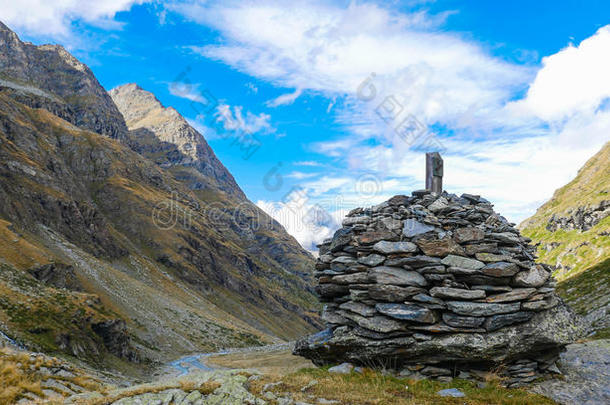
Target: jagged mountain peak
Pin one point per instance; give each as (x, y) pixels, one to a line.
(136, 104)
(147, 118)
(30, 73)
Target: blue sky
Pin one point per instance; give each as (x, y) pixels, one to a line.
(514, 93)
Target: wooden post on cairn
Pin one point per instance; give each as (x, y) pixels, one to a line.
(434, 172)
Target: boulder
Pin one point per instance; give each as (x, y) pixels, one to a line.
(397, 276)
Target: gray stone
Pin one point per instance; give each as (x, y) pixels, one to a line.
(358, 308)
(492, 288)
(438, 205)
(541, 305)
(358, 295)
(491, 257)
(518, 294)
(462, 321)
(456, 293)
(439, 247)
(415, 261)
(432, 270)
(354, 278)
(376, 323)
(500, 269)
(391, 224)
(363, 219)
(331, 316)
(331, 290)
(463, 262)
(468, 234)
(394, 247)
(413, 227)
(397, 276)
(451, 392)
(371, 237)
(480, 308)
(426, 299)
(343, 368)
(506, 237)
(372, 260)
(392, 293)
(498, 321)
(443, 328)
(487, 247)
(405, 312)
(341, 263)
(536, 276)
(432, 371)
(341, 238)
(463, 272)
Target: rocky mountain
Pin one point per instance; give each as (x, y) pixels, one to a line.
(174, 144)
(572, 230)
(128, 244)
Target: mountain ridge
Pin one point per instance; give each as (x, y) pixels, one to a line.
(80, 194)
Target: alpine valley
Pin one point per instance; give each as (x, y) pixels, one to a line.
(123, 239)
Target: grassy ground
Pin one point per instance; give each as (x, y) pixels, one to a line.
(373, 388)
(275, 362)
(369, 388)
(20, 376)
(588, 291)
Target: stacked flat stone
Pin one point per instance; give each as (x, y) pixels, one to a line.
(407, 273)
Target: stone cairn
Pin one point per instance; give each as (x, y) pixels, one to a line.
(440, 286)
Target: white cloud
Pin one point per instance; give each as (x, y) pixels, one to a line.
(514, 153)
(329, 49)
(300, 175)
(310, 224)
(311, 163)
(187, 91)
(54, 18)
(284, 99)
(234, 119)
(573, 80)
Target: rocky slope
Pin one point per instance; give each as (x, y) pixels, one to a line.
(573, 234)
(174, 142)
(110, 248)
(573, 226)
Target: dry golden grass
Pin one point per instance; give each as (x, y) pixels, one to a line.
(373, 388)
(109, 397)
(19, 375)
(275, 362)
(15, 377)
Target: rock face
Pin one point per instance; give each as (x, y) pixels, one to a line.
(143, 225)
(458, 289)
(178, 143)
(572, 228)
(49, 77)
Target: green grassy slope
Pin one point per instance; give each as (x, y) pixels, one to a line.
(574, 250)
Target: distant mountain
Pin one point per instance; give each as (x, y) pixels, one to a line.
(573, 232)
(129, 238)
(175, 143)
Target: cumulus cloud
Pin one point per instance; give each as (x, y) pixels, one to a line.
(234, 119)
(329, 49)
(310, 224)
(573, 80)
(54, 18)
